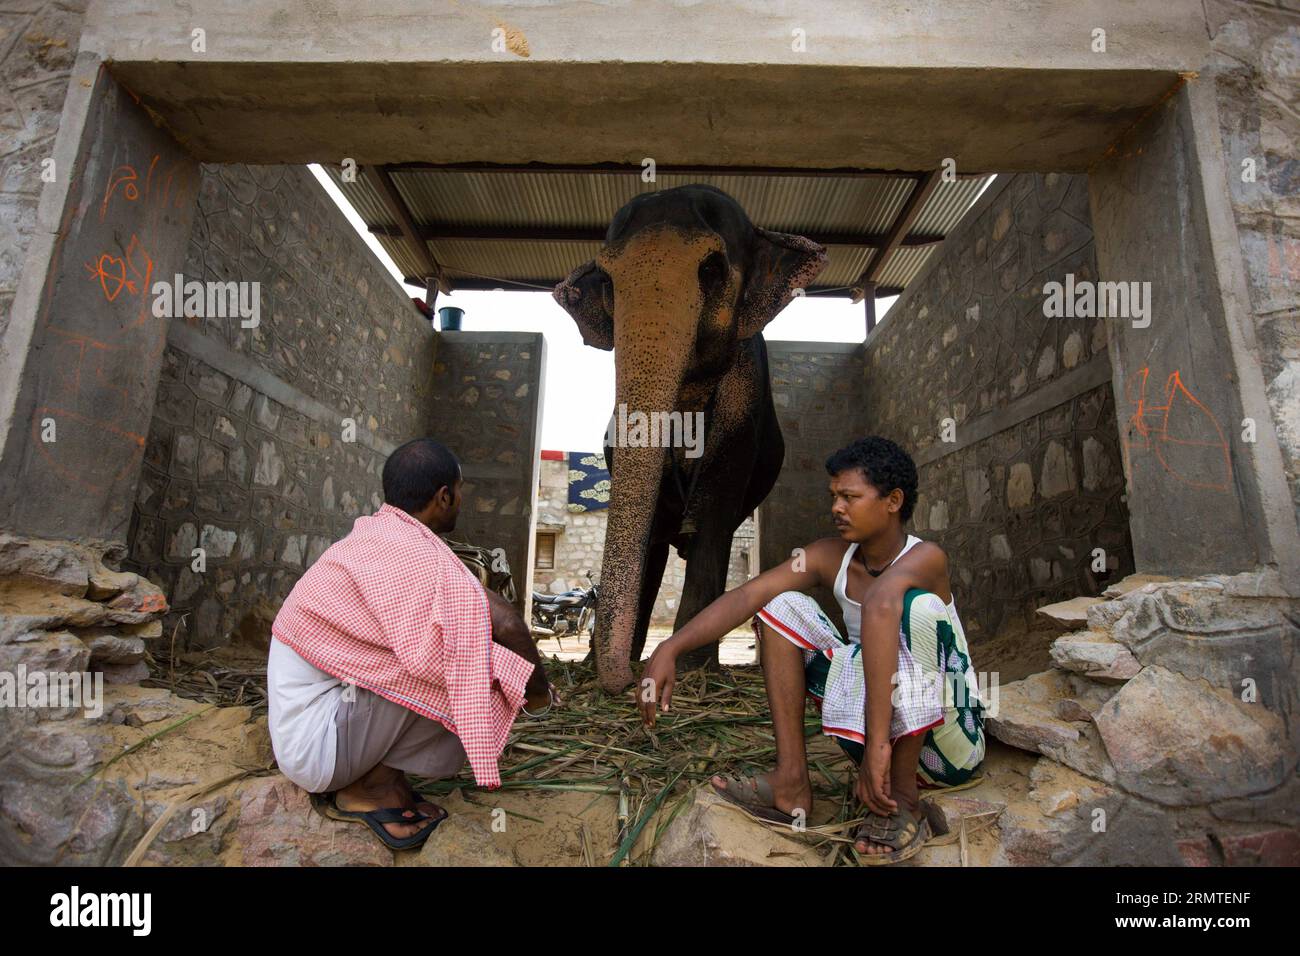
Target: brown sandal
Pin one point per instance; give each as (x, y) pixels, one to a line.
(905, 832)
(754, 796)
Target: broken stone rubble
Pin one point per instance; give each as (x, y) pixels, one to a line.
(1177, 704)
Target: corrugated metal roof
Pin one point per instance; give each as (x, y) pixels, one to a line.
(838, 206)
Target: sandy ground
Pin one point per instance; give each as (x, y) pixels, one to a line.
(544, 827)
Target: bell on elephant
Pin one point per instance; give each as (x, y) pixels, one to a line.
(681, 291)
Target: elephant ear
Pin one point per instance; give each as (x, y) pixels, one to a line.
(779, 263)
(583, 296)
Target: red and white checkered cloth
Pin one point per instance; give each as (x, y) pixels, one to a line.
(392, 609)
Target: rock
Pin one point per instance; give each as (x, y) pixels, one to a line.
(1197, 852)
(1068, 615)
(58, 566)
(1071, 710)
(1086, 755)
(1028, 837)
(145, 630)
(1182, 742)
(1089, 824)
(1132, 583)
(946, 811)
(461, 840)
(1058, 801)
(50, 652)
(713, 832)
(142, 600)
(1094, 655)
(1265, 583)
(1025, 716)
(106, 584)
(1280, 806)
(278, 827)
(109, 648)
(131, 673)
(195, 833)
(44, 822)
(1028, 716)
(1213, 629)
(26, 607)
(1020, 486)
(44, 677)
(140, 706)
(1271, 848)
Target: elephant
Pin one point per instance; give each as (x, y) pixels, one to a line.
(681, 290)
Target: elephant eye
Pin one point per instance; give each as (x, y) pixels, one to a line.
(712, 270)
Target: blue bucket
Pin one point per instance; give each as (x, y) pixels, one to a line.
(449, 318)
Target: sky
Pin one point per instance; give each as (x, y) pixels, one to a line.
(578, 394)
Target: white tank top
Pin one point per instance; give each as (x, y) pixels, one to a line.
(851, 608)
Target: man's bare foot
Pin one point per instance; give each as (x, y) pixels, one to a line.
(789, 794)
(384, 788)
(424, 806)
(906, 801)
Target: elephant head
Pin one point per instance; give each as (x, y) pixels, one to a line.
(682, 280)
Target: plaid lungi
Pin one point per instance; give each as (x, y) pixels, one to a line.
(935, 690)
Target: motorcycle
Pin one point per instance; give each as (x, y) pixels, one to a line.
(568, 614)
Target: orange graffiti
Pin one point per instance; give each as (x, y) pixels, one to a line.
(102, 432)
(1178, 433)
(93, 379)
(111, 271)
(126, 177)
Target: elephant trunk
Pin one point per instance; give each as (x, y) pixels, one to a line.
(627, 540)
(648, 380)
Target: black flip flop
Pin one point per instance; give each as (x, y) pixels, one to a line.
(375, 819)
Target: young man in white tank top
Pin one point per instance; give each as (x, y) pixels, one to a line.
(881, 690)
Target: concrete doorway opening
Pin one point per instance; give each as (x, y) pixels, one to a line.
(1060, 451)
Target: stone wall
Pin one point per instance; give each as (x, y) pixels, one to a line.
(38, 45)
(267, 442)
(1256, 50)
(1024, 479)
(818, 393)
(487, 400)
(580, 544)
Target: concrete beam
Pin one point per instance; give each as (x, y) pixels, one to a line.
(1003, 87)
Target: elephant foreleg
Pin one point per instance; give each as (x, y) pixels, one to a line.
(706, 580)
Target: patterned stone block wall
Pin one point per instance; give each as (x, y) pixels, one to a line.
(580, 544)
(250, 454)
(38, 44)
(1027, 479)
(486, 403)
(818, 391)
